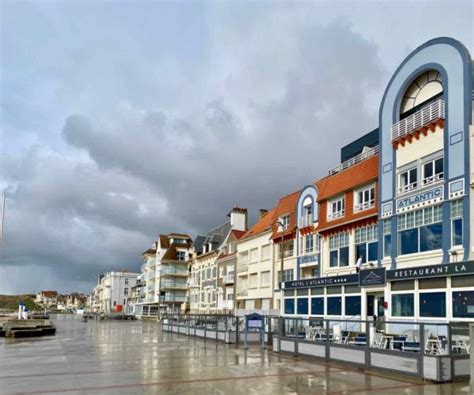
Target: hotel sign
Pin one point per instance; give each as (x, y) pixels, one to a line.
(430, 196)
(371, 277)
(307, 259)
(322, 281)
(441, 270)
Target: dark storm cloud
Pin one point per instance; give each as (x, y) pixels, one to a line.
(120, 131)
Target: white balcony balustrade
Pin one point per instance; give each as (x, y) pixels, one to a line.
(364, 206)
(355, 160)
(336, 214)
(229, 279)
(431, 112)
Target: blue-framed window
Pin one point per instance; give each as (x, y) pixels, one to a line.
(387, 237)
(302, 306)
(317, 306)
(456, 222)
(289, 306)
(339, 250)
(334, 305)
(432, 304)
(366, 243)
(420, 230)
(403, 305)
(352, 305)
(463, 304)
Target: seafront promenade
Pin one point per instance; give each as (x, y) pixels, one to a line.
(134, 357)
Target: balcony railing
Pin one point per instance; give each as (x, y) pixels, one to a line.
(228, 279)
(305, 221)
(420, 118)
(173, 271)
(354, 160)
(173, 285)
(433, 179)
(407, 188)
(336, 214)
(364, 206)
(173, 298)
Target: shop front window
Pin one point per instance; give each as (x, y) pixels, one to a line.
(352, 305)
(403, 305)
(433, 304)
(334, 305)
(289, 306)
(317, 306)
(463, 304)
(302, 307)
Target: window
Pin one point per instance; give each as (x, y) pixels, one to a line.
(456, 222)
(402, 305)
(334, 305)
(214, 272)
(287, 249)
(125, 291)
(317, 306)
(387, 237)
(463, 304)
(339, 250)
(253, 255)
(181, 255)
(432, 171)
(253, 280)
(208, 273)
(336, 208)
(265, 278)
(302, 306)
(308, 244)
(289, 306)
(352, 305)
(364, 198)
(420, 230)
(287, 275)
(266, 252)
(307, 218)
(433, 304)
(366, 243)
(126, 281)
(408, 180)
(285, 222)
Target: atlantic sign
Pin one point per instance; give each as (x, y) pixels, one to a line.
(441, 270)
(435, 193)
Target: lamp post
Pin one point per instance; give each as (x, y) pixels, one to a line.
(279, 223)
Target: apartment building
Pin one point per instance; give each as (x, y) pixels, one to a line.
(255, 269)
(210, 289)
(397, 207)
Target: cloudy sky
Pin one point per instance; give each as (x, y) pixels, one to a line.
(123, 120)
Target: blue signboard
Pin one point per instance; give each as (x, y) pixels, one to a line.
(371, 277)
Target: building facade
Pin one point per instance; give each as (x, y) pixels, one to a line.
(398, 207)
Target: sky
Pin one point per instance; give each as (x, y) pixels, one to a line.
(124, 120)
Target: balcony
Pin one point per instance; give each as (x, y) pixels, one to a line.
(364, 206)
(305, 221)
(173, 285)
(172, 271)
(173, 298)
(192, 283)
(228, 278)
(354, 160)
(423, 117)
(336, 215)
(227, 304)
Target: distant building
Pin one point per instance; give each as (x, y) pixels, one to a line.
(47, 299)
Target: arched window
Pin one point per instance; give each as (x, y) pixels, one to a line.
(426, 87)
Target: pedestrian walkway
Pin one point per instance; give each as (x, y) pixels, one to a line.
(134, 357)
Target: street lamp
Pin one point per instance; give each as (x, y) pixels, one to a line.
(280, 223)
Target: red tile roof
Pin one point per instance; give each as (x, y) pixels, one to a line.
(262, 225)
(286, 205)
(238, 233)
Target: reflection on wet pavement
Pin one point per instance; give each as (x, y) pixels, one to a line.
(134, 357)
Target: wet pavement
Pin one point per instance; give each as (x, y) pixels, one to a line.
(134, 357)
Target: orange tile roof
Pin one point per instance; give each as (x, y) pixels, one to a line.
(262, 225)
(286, 205)
(239, 233)
(350, 178)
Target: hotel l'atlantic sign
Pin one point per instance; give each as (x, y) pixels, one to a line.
(422, 198)
(378, 276)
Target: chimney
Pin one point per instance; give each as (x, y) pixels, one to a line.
(261, 213)
(238, 218)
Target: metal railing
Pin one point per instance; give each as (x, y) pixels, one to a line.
(174, 284)
(173, 271)
(364, 206)
(172, 298)
(229, 279)
(305, 221)
(420, 118)
(336, 214)
(354, 160)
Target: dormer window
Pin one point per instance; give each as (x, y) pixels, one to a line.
(284, 223)
(336, 208)
(364, 198)
(181, 255)
(307, 218)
